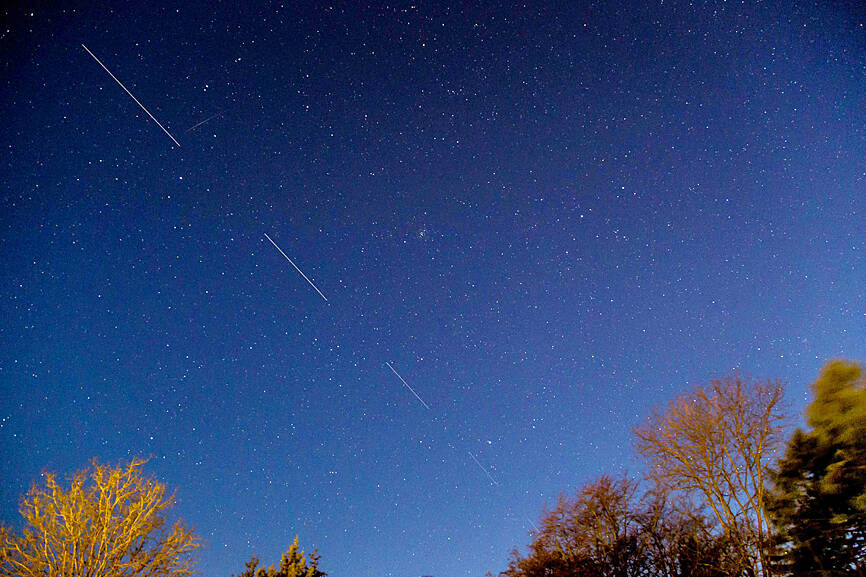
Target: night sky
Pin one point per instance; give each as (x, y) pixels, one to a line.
(546, 219)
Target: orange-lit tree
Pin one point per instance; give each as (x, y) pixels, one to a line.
(715, 443)
(110, 522)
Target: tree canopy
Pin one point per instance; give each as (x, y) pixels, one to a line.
(819, 494)
(109, 522)
(610, 529)
(715, 444)
(293, 564)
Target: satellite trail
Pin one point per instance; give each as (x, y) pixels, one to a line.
(407, 386)
(297, 269)
(130, 93)
(492, 480)
(209, 118)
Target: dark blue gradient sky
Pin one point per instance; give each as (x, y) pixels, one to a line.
(547, 219)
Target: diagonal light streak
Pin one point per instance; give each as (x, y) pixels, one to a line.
(486, 472)
(130, 94)
(208, 119)
(296, 267)
(407, 386)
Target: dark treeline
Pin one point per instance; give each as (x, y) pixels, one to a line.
(725, 493)
(292, 564)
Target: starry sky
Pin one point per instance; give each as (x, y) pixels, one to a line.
(546, 218)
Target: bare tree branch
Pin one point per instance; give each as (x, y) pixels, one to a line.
(109, 523)
(716, 441)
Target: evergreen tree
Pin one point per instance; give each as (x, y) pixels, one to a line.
(819, 494)
(293, 564)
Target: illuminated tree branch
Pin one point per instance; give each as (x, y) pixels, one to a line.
(109, 523)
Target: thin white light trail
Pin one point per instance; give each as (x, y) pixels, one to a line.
(202, 122)
(407, 386)
(296, 268)
(492, 480)
(130, 93)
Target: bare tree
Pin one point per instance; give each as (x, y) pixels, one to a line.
(594, 533)
(716, 442)
(609, 530)
(110, 522)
